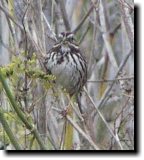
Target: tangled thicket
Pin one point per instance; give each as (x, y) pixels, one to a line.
(33, 110)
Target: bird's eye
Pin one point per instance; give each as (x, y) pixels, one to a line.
(70, 38)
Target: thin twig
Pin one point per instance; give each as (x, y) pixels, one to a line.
(82, 133)
(79, 130)
(110, 87)
(126, 4)
(83, 36)
(83, 19)
(105, 25)
(110, 80)
(26, 59)
(40, 57)
(49, 27)
(128, 22)
(64, 15)
(39, 52)
(9, 16)
(127, 95)
(25, 88)
(103, 119)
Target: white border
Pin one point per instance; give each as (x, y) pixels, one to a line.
(140, 4)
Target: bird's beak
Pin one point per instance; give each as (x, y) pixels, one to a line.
(65, 41)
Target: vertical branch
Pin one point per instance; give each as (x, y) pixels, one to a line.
(106, 36)
(68, 139)
(70, 6)
(64, 15)
(4, 37)
(25, 88)
(125, 11)
(108, 51)
(7, 129)
(83, 19)
(42, 26)
(39, 24)
(12, 28)
(25, 60)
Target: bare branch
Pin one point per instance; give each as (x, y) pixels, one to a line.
(103, 119)
(128, 22)
(64, 15)
(83, 19)
(106, 35)
(110, 87)
(110, 80)
(82, 133)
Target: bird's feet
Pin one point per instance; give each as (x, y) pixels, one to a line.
(66, 111)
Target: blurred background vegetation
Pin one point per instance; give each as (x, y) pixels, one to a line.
(32, 110)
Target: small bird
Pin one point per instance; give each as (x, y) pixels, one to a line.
(67, 63)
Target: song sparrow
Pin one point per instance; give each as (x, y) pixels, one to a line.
(67, 63)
